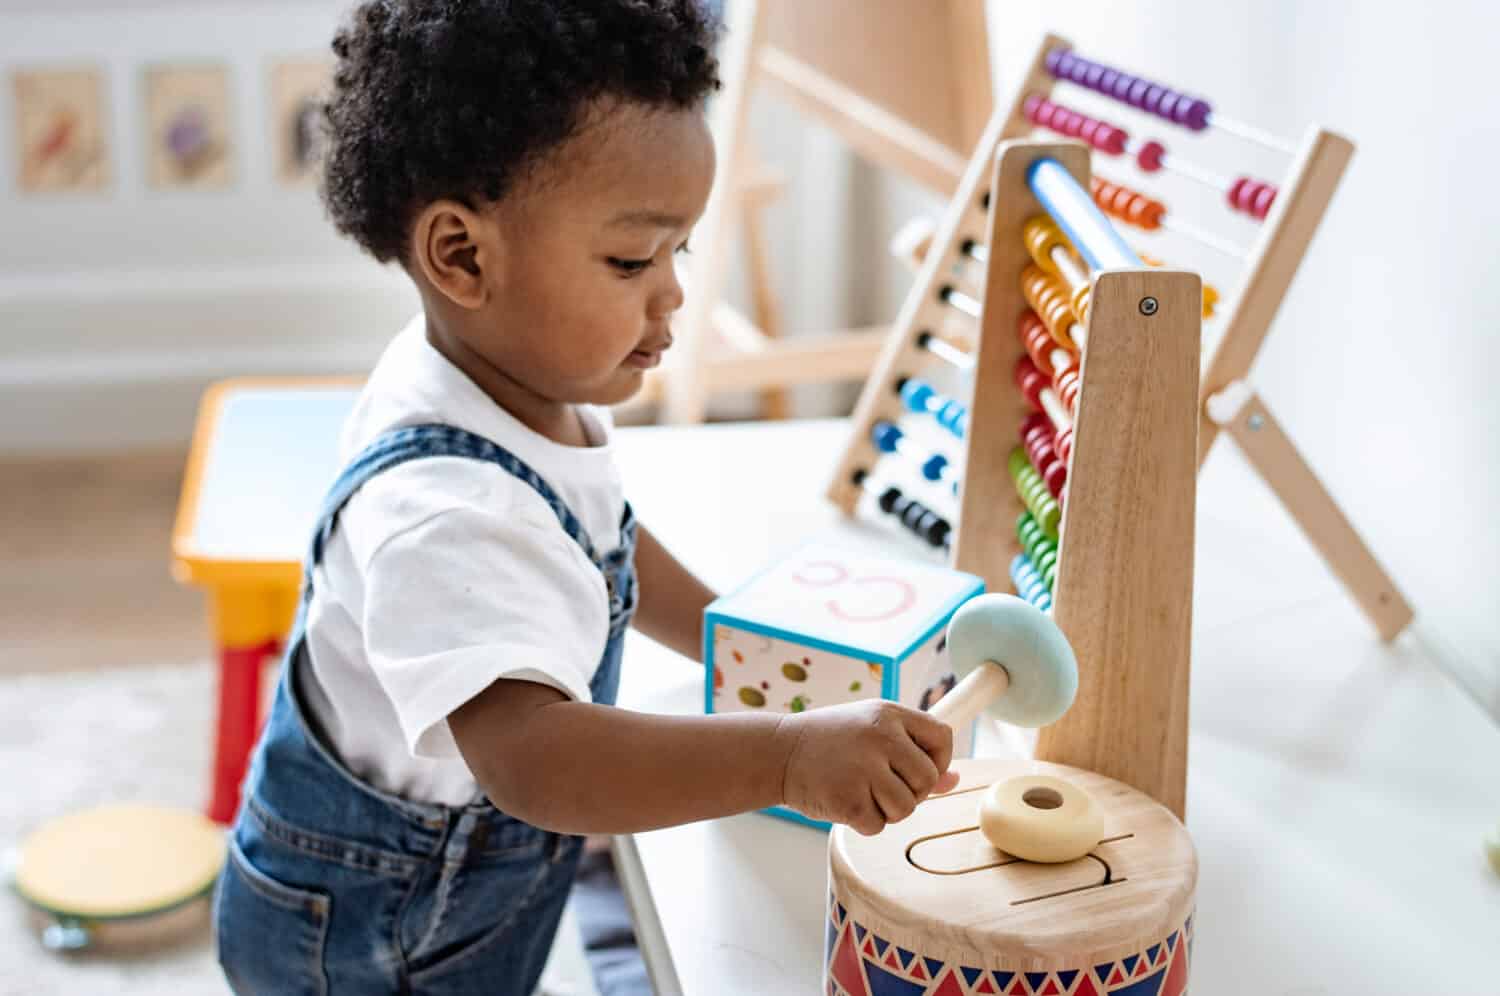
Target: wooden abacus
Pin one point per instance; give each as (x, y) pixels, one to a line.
(1289, 215)
(1123, 579)
(906, 83)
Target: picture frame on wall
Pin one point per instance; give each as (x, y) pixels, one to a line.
(299, 87)
(188, 137)
(61, 138)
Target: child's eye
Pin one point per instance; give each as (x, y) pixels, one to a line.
(629, 267)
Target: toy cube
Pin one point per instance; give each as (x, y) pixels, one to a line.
(827, 626)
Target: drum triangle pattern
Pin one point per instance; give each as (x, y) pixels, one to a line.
(861, 963)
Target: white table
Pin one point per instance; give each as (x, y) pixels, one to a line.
(1338, 789)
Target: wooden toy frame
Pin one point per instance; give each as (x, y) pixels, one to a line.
(1124, 587)
(1284, 237)
(1306, 191)
(832, 62)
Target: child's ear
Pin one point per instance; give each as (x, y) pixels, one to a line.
(453, 246)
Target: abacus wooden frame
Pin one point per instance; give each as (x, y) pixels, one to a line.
(834, 63)
(1124, 584)
(1285, 234)
(1124, 588)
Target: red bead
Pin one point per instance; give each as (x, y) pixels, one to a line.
(1234, 190)
(1055, 477)
(1149, 158)
(1065, 444)
(1263, 201)
(1114, 141)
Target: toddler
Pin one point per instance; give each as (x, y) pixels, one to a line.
(443, 731)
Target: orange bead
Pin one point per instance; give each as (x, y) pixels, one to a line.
(1041, 236)
(1127, 205)
(1051, 302)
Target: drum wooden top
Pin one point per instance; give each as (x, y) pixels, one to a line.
(934, 883)
(120, 861)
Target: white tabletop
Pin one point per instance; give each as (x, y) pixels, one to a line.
(272, 457)
(1338, 789)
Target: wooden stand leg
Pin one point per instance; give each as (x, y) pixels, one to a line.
(775, 402)
(685, 392)
(1282, 467)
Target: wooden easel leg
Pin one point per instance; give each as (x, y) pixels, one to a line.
(765, 309)
(685, 391)
(1277, 461)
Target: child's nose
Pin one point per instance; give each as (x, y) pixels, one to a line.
(668, 298)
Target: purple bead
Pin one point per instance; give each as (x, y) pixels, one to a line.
(1121, 89)
(1054, 58)
(1137, 97)
(1154, 94)
(1197, 114)
(1168, 106)
(1091, 77)
(1066, 64)
(1107, 80)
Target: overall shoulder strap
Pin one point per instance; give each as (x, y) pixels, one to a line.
(435, 440)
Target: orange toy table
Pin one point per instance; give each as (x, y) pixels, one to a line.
(263, 454)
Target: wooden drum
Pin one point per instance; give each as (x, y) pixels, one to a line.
(930, 908)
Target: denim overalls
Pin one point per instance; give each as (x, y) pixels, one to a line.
(332, 886)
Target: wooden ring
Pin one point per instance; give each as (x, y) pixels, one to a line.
(1041, 818)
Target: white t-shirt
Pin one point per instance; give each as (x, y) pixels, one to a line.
(446, 573)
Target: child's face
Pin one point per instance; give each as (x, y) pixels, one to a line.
(583, 298)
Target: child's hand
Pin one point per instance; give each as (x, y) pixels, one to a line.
(865, 764)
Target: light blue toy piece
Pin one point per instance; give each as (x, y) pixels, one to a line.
(1022, 639)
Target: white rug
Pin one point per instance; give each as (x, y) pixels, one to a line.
(73, 741)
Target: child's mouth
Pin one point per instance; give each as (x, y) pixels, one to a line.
(644, 359)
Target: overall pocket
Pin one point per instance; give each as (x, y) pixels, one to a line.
(270, 936)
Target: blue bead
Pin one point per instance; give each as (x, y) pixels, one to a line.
(934, 466)
(885, 436)
(917, 394)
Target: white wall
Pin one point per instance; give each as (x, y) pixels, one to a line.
(116, 308)
(1382, 362)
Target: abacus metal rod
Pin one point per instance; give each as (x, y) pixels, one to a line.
(1203, 238)
(1200, 174)
(1251, 133)
(946, 351)
(961, 302)
(935, 467)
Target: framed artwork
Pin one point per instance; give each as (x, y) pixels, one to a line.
(187, 122)
(298, 89)
(60, 133)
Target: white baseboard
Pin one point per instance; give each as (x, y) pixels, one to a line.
(92, 365)
(148, 406)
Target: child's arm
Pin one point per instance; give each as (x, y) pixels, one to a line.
(576, 767)
(672, 600)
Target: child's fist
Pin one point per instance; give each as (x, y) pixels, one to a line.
(866, 763)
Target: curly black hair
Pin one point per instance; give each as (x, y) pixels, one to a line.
(455, 98)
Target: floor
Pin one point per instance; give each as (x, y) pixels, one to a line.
(85, 579)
